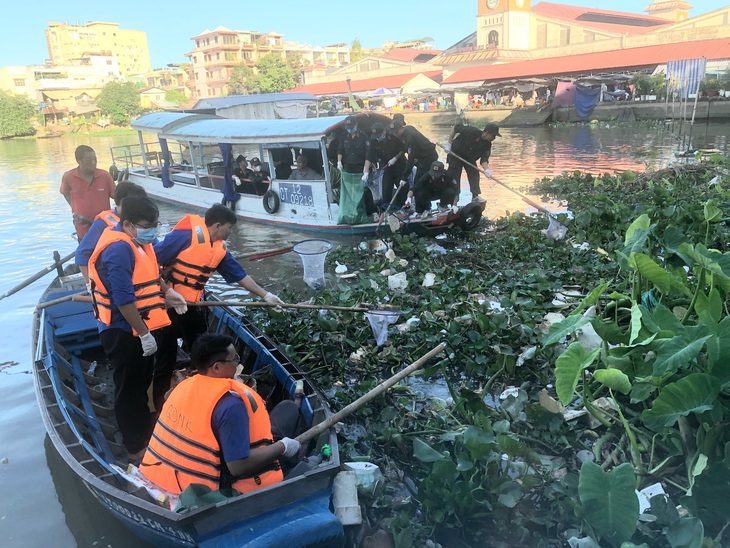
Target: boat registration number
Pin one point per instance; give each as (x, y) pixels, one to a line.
(296, 194)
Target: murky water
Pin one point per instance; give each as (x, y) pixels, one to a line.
(40, 499)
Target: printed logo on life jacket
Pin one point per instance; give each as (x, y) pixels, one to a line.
(175, 416)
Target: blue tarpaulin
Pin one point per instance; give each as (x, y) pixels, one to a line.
(684, 77)
(585, 101)
(166, 181)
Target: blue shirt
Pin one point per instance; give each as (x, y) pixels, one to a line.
(230, 427)
(89, 241)
(179, 239)
(115, 266)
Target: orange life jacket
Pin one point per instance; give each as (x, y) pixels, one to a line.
(184, 449)
(145, 277)
(109, 216)
(190, 270)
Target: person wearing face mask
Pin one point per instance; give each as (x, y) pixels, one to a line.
(129, 301)
(189, 255)
(351, 158)
(386, 151)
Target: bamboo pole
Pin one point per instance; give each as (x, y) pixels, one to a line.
(266, 254)
(38, 275)
(362, 400)
(79, 297)
(271, 305)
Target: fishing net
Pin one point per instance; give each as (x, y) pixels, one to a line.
(375, 184)
(379, 322)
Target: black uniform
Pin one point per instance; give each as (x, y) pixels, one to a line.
(380, 153)
(421, 152)
(428, 188)
(470, 146)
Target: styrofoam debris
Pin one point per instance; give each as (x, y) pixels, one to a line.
(527, 354)
(509, 391)
(390, 255)
(436, 249)
(586, 335)
(428, 279)
(374, 285)
(398, 282)
(358, 355)
(386, 272)
(585, 246)
(340, 268)
(646, 493)
(413, 321)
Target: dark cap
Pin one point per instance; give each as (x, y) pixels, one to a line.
(395, 125)
(437, 169)
(255, 161)
(350, 121)
(240, 158)
(377, 127)
(399, 116)
(492, 129)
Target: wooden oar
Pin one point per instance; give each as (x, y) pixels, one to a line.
(271, 305)
(80, 297)
(40, 274)
(266, 254)
(362, 400)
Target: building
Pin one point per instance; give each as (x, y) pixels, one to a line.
(67, 43)
(217, 53)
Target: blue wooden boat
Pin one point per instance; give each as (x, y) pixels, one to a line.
(74, 397)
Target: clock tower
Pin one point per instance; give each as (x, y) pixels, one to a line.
(504, 24)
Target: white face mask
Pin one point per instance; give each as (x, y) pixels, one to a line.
(257, 168)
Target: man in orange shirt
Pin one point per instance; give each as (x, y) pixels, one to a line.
(86, 189)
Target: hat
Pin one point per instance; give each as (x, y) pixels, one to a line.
(395, 125)
(437, 169)
(377, 127)
(255, 161)
(350, 121)
(492, 129)
(399, 116)
(240, 158)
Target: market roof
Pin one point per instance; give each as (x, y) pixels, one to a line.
(391, 82)
(631, 58)
(620, 22)
(411, 54)
(237, 100)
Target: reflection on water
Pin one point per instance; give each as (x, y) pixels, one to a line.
(36, 221)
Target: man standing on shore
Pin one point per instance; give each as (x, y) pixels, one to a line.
(471, 144)
(86, 189)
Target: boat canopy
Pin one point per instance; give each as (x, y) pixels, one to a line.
(161, 122)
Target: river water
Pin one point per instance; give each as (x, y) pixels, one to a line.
(41, 501)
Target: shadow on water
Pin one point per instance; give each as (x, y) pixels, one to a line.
(88, 521)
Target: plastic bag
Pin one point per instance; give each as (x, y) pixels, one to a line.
(379, 322)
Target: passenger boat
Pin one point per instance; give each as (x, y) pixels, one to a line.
(74, 396)
(190, 158)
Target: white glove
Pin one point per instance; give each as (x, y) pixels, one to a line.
(88, 287)
(173, 299)
(236, 180)
(339, 165)
(365, 176)
(408, 202)
(149, 344)
(392, 161)
(291, 447)
(487, 172)
(447, 148)
(403, 183)
(272, 299)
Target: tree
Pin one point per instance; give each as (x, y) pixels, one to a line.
(355, 50)
(274, 75)
(295, 60)
(16, 112)
(119, 101)
(239, 78)
(175, 96)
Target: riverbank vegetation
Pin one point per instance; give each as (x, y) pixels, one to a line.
(577, 371)
(16, 113)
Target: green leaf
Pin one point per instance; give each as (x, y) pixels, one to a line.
(424, 452)
(635, 323)
(695, 393)
(568, 368)
(713, 214)
(677, 353)
(566, 327)
(653, 272)
(614, 379)
(709, 501)
(479, 442)
(609, 501)
(686, 533)
(590, 299)
(641, 224)
(711, 303)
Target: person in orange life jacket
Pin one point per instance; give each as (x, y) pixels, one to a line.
(103, 220)
(189, 254)
(127, 297)
(215, 431)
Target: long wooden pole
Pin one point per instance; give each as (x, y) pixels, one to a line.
(270, 305)
(266, 254)
(362, 400)
(38, 275)
(80, 297)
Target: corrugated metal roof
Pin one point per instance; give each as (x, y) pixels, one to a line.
(619, 22)
(237, 100)
(595, 62)
(391, 82)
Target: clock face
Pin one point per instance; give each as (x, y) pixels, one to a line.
(491, 4)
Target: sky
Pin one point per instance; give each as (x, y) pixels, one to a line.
(170, 24)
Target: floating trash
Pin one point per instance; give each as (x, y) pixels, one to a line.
(429, 279)
(379, 322)
(313, 254)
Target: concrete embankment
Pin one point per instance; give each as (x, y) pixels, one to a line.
(714, 111)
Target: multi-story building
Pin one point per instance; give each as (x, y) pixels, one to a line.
(69, 42)
(217, 53)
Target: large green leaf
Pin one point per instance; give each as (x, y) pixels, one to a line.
(686, 533)
(637, 230)
(635, 323)
(614, 379)
(718, 349)
(676, 354)
(590, 299)
(713, 214)
(424, 452)
(711, 303)
(694, 393)
(568, 368)
(709, 500)
(561, 329)
(653, 272)
(609, 501)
